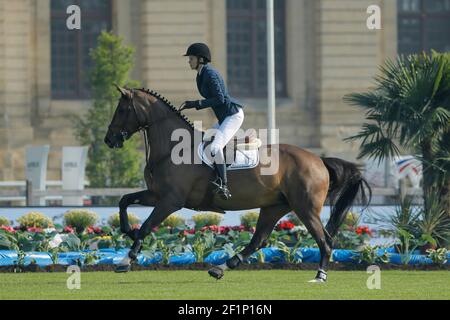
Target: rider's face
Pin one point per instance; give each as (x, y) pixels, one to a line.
(193, 62)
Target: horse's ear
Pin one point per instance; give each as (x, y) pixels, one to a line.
(125, 93)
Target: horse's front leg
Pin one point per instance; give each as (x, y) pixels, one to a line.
(162, 210)
(144, 198)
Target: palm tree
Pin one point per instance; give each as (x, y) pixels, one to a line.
(409, 108)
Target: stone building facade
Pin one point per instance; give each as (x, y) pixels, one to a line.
(328, 52)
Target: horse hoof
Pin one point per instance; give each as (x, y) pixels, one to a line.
(122, 268)
(124, 265)
(216, 273)
(317, 280)
(321, 277)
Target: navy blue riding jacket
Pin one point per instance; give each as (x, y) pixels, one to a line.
(212, 87)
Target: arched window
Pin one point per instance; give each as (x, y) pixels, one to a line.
(247, 48)
(423, 25)
(71, 62)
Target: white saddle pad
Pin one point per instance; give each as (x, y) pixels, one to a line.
(247, 157)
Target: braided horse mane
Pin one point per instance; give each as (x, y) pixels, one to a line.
(170, 106)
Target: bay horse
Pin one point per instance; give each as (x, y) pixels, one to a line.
(302, 183)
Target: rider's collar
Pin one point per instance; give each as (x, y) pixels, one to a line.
(202, 66)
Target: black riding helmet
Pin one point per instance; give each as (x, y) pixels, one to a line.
(199, 50)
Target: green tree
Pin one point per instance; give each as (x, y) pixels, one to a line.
(109, 167)
(410, 108)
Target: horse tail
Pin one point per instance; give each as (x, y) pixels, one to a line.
(346, 181)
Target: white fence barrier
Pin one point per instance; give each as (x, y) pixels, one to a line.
(30, 196)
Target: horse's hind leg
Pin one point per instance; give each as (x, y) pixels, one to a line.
(268, 217)
(145, 198)
(310, 216)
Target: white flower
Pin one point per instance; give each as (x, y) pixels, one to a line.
(49, 230)
(300, 228)
(56, 241)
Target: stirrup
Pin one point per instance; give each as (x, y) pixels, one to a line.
(225, 193)
(221, 189)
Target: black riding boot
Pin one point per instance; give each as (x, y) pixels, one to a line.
(221, 181)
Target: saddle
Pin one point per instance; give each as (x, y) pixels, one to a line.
(239, 153)
(250, 141)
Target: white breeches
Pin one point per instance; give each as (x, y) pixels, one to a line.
(226, 131)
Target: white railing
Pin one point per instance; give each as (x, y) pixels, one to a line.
(24, 192)
(21, 190)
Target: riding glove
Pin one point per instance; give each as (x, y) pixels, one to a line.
(191, 104)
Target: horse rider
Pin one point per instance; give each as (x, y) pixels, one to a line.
(229, 112)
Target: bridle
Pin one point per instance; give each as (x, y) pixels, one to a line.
(124, 134)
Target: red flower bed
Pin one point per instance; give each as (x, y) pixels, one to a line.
(96, 230)
(363, 230)
(218, 229)
(285, 225)
(8, 228)
(34, 229)
(68, 229)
